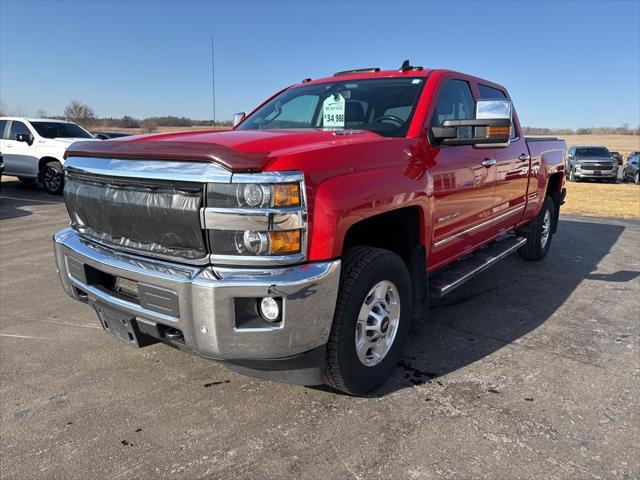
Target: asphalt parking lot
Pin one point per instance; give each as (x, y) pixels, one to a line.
(531, 370)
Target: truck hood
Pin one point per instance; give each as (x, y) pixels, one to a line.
(237, 150)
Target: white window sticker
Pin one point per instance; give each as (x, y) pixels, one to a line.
(333, 111)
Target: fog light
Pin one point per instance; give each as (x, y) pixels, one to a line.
(269, 309)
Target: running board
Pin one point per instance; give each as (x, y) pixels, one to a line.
(463, 270)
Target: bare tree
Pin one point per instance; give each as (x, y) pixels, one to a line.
(42, 113)
(4, 110)
(81, 113)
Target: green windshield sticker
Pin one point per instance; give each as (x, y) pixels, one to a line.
(333, 111)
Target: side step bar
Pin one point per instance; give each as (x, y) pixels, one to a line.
(452, 277)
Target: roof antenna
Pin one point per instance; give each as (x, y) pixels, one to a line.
(406, 66)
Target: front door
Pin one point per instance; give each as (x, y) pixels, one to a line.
(462, 185)
(19, 158)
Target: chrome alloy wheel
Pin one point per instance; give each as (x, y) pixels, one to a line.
(377, 323)
(546, 229)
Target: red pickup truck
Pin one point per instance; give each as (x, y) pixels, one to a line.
(300, 245)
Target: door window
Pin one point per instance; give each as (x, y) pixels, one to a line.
(18, 128)
(3, 127)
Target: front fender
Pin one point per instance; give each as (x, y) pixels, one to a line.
(340, 202)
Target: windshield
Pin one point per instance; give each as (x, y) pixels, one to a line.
(384, 106)
(60, 130)
(592, 152)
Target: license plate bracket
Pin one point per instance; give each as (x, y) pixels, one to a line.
(122, 326)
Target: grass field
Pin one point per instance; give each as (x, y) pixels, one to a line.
(603, 199)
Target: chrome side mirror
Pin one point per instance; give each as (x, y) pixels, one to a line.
(238, 117)
(493, 109)
(491, 126)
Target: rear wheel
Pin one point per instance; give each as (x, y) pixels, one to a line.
(539, 233)
(53, 178)
(371, 321)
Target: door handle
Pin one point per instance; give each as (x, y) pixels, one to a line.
(524, 157)
(488, 162)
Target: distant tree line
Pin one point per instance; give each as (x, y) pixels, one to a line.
(84, 115)
(623, 130)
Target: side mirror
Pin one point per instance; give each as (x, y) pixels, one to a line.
(238, 117)
(24, 137)
(491, 126)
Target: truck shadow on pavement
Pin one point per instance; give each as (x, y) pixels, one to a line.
(15, 196)
(503, 304)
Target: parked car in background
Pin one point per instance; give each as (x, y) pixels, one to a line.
(591, 162)
(631, 169)
(617, 157)
(109, 135)
(33, 149)
(632, 154)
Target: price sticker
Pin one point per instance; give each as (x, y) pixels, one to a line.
(333, 111)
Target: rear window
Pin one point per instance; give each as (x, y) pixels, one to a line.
(592, 152)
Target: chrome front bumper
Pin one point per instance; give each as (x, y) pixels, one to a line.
(205, 299)
(580, 173)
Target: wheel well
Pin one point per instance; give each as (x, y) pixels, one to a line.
(399, 232)
(553, 190)
(43, 161)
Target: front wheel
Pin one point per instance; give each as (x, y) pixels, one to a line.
(539, 233)
(53, 178)
(371, 321)
(572, 175)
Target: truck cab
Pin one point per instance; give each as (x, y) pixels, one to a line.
(301, 244)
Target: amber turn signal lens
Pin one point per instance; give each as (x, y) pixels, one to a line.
(286, 195)
(285, 243)
(498, 131)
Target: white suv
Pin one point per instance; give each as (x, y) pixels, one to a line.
(33, 148)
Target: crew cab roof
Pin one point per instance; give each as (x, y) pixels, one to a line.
(366, 75)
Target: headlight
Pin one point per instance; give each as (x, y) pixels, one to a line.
(254, 195)
(261, 219)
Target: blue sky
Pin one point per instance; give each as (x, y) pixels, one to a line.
(566, 64)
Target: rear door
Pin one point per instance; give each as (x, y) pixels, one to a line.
(462, 185)
(512, 170)
(19, 157)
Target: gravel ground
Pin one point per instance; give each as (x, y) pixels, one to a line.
(531, 370)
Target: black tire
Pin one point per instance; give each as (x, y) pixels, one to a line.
(362, 269)
(53, 178)
(534, 249)
(26, 180)
(572, 175)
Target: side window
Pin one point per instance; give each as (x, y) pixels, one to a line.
(18, 128)
(3, 127)
(490, 93)
(455, 102)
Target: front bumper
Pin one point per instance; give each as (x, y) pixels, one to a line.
(201, 302)
(606, 174)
